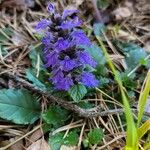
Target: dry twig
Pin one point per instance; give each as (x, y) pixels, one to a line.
(86, 113)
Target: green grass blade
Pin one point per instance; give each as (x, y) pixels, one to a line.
(143, 98)
(147, 146)
(143, 129)
(132, 138)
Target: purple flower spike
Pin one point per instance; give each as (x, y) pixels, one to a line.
(85, 58)
(88, 79)
(65, 83)
(67, 13)
(68, 64)
(43, 24)
(63, 50)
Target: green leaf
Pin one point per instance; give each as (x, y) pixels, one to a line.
(148, 64)
(89, 68)
(97, 54)
(60, 94)
(85, 143)
(125, 47)
(135, 55)
(131, 95)
(5, 33)
(101, 70)
(95, 136)
(85, 104)
(71, 139)
(103, 4)
(19, 106)
(128, 81)
(103, 81)
(3, 50)
(99, 28)
(35, 56)
(77, 92)
(56, 141)
(36, 82)
(46, 128)
(55, 115)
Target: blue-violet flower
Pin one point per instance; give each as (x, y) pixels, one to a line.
(63, 53)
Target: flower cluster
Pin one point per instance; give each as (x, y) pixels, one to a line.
(63, 54)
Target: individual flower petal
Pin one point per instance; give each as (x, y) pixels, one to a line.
(79, 38)
(46, 51)
(51, 59)
(67, 13)
(64, 84)
(47, 39)
(71, 24)
(88, 79)
(57, 75)
(61, 44)
(68, 64)
(85, 58)
(43, 24)
(51, 8)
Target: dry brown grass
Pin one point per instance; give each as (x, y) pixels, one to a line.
(137, 27)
